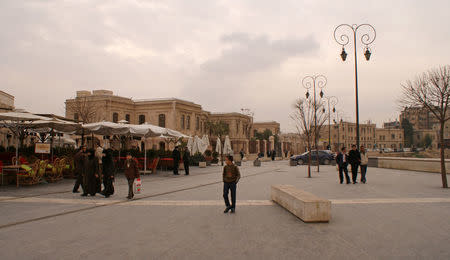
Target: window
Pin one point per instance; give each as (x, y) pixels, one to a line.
(162, 120)
(141, 119)
(197, 123)
(237, 127)
(188, 122)
(76, 117)
(182, 122)
(392, 136)
(127, 118)
(115, 117)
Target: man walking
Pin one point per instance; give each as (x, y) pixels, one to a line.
(80, 165)
(176, 156)
(354, 158)
(364, 162)
(231, 176)
(342, 162)
(186, 158)
(131, 172)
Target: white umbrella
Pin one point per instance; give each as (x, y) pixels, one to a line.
(227, 146)
(107, 128)
(17, 122)
(190, 144)
(196, 145)
(205, 143)
(219, 146)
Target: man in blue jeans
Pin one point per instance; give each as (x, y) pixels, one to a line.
(231, 176)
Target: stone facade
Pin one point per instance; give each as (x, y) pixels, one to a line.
(419, 117)
(181, 115)
(344, 134)
(6, 102)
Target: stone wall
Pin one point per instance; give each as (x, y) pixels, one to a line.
(411, 164)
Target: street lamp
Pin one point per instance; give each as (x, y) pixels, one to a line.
(366, 38)
(332, 101)
(309, 82)
(338, 121)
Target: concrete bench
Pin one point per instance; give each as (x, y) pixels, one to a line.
(306, 206)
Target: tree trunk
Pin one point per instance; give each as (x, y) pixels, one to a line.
(443, 171)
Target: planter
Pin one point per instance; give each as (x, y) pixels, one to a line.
(202, 164)
(257, 163)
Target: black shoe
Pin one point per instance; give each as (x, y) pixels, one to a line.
(75, 191)
(341, 182)
(187, 174)
(83, 195)
(348, 182)
(128, 197)
(232, 210)
(226, 210)
(176, 174)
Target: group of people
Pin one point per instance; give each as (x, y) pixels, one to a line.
(176, 156)
(357, 159)
(92, 167)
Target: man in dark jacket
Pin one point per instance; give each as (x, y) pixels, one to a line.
(231, 176)
(131, 172)
(108, 173)
(354, 158)
(176, 156)
(342, 162)
(79, 161)
(186, 158)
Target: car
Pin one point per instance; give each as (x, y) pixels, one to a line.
(325, 157)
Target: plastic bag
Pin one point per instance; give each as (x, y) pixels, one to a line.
(137, 186)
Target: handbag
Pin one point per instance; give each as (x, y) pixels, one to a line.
(137, 185)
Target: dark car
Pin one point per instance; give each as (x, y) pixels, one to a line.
(325, 157)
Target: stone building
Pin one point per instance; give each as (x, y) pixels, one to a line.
(181, 115)
(6, 102)
(419, 117)
(344, 134)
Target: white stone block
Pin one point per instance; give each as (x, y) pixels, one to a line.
(306, 206)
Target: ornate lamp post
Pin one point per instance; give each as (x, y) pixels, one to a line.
(309, 82)
(331, 101)
(366, 38)
(338, 122)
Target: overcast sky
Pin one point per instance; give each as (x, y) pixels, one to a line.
(224, 55)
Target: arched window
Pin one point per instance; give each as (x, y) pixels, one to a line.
(182, 122)
(127, 118)
(115, 117)
(188, 122)
(141, 119)
(162, 120)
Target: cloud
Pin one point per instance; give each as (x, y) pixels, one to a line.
(248, 54)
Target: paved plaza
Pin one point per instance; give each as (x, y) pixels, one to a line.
(398, 214)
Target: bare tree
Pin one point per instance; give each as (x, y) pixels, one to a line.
(303, 118)
(431, 91)
(83, 110)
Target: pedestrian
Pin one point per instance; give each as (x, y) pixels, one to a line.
(286, 153)
(131, 172)
(354, 158)
(342, 162)
(186, 158)
(176, 156)
(242, 154)
(273, 154)
(231, 176)
(108, 173)
(79, 161)
(364, 162)
(91, 176)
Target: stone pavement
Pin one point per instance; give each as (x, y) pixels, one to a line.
(398, 214)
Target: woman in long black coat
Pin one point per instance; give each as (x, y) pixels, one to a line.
(92, 176)
(108, 173)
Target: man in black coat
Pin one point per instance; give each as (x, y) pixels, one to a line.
(342, 162)
(354, 158)
(186, 158)
(79, 160)
(176, 156)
